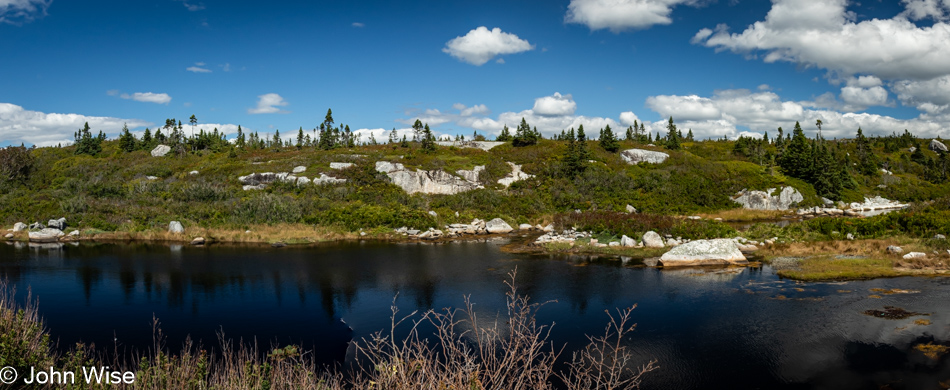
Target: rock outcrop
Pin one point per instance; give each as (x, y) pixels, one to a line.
(428, 182)
(46, 235)
(627, 242)
(161, 150)
(498, 225)
(719, 251)
(652, 240)
(483, 145)
(257, 181)
(57, 223)
(175, 227)
(764, 200)
(19, 227)
(877, 203)
(636, 156)
(299, 169)
(938, 146)
(339, 165)
(515, 175)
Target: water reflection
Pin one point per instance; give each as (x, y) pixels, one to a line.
(709, 328)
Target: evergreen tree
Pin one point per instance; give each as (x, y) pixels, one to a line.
(573, 161)
(86, 143)
(417, 130)
(405, 142)
(276, 142)
(629, 135)
(797, 159)
(608, 141)
(867, 161)
(505, 135)
(428, 141)
(524, 136)
(126, 139)
(300, 138)
(689, 136)
(146, 139)
(673, 136)
(392, 136)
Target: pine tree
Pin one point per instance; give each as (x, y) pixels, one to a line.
(392, 136)
(276, 142)
(405, 142)
(146, 139)
(428, 140)
(608, 141)
(505, 135)
(524, 136)
(689, 136)
(300, 138)
(126, 139)
(86, 143)
(797, 159)
(867, 161)
(673, 136)
(241, 142)
(417, 130)
(629, 135)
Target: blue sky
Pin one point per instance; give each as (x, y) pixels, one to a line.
(721, 68)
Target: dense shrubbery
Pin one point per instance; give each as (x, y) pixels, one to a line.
(634, 225)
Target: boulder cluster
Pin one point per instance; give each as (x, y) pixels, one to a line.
(476, 227)
(258, 181)
(854, 209)
(37, 232)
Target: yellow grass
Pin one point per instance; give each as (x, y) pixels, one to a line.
(286, 233)
(746, 215)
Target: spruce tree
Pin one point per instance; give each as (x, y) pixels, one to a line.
(428, 141)
(797, 159)
(608, 141)
(524, 136)
(505, 135)
(672, 136)
(126, 139)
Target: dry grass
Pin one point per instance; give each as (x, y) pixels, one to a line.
(746, 215)
(288, 233)
(466, 351)
(837, 247)
(829, 268)
(932, 350)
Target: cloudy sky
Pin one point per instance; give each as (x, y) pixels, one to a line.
(719, 67)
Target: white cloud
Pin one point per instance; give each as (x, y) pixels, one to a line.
(42, 129)
(478, 109)
(858, 98)
(481, 45)
(929, 96)
(226, 67)
(191, 6)
(197, 68)
(628, 117)
(620, 15)
(267, 104)
(923, 9)
(766, 111)
(17, 12)
(358, 24)
(148, 97)
(112, 92)
(556, 105)
(825, 34)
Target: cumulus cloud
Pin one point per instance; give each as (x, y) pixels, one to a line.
(923, 9)
(730, 112)
(45, 129)
(550, 114)
(620, 15)
(148, 97)
(555, 105)
(482, 45)
(358, 24)
(268, 104)
(17, 12)
(825, 34)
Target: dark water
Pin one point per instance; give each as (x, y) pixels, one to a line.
(709, 330)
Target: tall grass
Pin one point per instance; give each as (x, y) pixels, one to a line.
(464, 351)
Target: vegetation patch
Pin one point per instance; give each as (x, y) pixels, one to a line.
(892, 313)
(828, 268)
(931, 350)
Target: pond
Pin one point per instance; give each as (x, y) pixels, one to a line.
(740, 328)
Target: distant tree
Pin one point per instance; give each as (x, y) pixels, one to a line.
(241, 142)
(392, 136)
(16, 164)
(146, 139)
(797, 159)
(672, 136)
(194, 121)
(629, 135)
(867, 161)
(417, 130)
(276, 142)
(126, 139)
(300, 138)
(405, 142)
(505, 135)
(689, 136)
(608, 141)
(428, 140)
(86, 143)
(525, 136)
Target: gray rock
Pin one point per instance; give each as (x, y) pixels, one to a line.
(74, 233)
(302, 181)
(412, 232)
(19, 227)
(250, 187)
(151, 177)
(36, 226)
(324, 179)
(161, 150)
(631, 209)
(339, 165)
(433, 213)
(299, 169)
(175, 227)
(256, 179)
(895, 250)
(747, 247)
(57, 223)
(498, 225)
(938, 146)
(915, 255)
(704, 252)
(764, 200)
(515, 175)
(8, 236)
(471, 175)
(193, 173)
(940, 237)
(614, 243)
(876, 203)
(46, 235)
(525, 226)
(549, 228)
(483, 145)
(636, 156)
(198, 241)
(627, 242)
(849, 237)
(427, 182)
(652, 240)
(912, 149)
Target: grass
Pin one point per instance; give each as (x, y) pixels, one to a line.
(829, 268)
(465, 351)
(746, 215)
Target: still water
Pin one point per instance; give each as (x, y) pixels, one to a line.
(745, 329)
